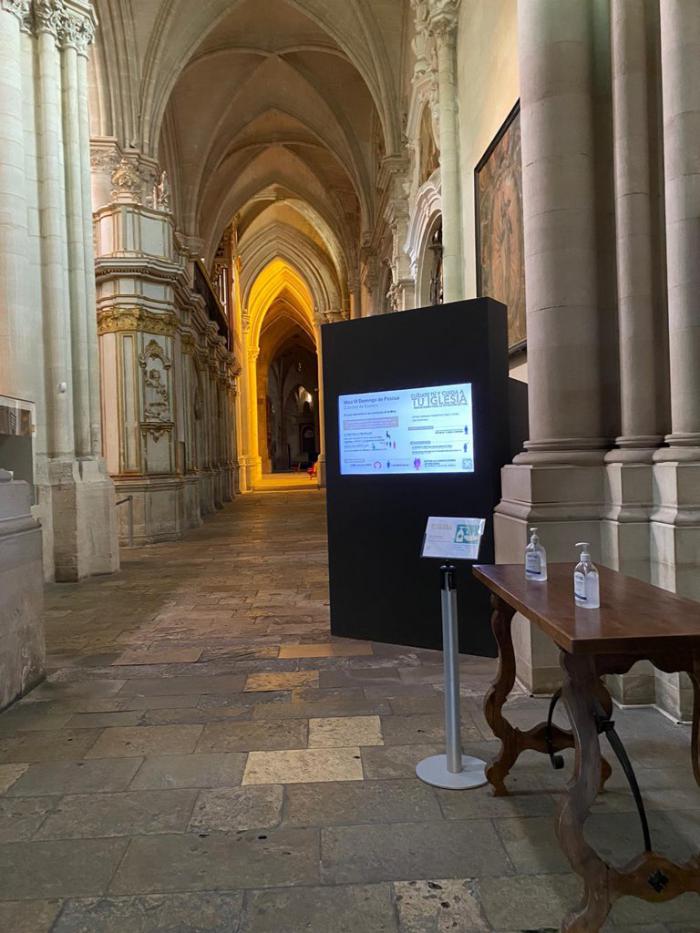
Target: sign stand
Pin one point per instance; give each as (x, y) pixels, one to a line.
(453, 770)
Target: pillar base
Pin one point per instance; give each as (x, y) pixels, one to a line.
(674, 695)
(77, 509)
(22, 648)
(565, 501)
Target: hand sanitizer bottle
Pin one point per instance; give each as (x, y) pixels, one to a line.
(535, 559)
(586, 581)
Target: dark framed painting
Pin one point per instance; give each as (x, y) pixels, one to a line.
(500, 254)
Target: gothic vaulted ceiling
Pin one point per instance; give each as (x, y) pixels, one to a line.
(267, 111)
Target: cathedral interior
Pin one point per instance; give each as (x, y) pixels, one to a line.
(192, 196)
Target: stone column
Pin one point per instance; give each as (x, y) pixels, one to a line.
(675, 529)
(443, 18)
(85, 37)
(72, 35)
(355, 301)
(253, 462)
(643, 396)
(57, 325)
(15, 341)
(564, 374)
(642, 393)
(680, 52)
(559, 482)
(321, 462)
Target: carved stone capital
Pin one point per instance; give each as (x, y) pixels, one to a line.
(443, 19)
(77, 31)
(127, 183)
(49, 16)
(21, 9)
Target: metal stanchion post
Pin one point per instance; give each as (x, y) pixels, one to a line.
(452, 770)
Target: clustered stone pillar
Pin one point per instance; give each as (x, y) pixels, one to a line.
(680, 51)
(52, 213)
(76, 34)
(443, 18)
(558, 148)
(642, 393)
(15, 343)
(47, 277)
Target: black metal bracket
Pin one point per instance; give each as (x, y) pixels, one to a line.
(606, 726)
(556, 760)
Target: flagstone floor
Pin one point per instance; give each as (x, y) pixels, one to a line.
(205, 757)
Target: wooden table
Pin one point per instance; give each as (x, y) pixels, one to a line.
(635, 622)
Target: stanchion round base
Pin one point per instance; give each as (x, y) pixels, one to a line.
(434, 771)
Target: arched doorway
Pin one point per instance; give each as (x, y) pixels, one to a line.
(291, 430)
(284, 394)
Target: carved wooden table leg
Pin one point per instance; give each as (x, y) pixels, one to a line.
(501, 619)
(606, 702)
(579, 692)
(513, 741)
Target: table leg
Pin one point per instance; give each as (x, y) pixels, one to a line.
(695, 679)
(579, 692)
(498, 769)
(513, 741)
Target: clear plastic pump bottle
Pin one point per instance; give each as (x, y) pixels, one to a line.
(586, 580)
(535, 559)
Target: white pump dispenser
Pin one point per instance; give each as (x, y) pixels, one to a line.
(586, 580)
(535, 559)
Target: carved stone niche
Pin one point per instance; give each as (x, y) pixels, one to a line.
(157, 419)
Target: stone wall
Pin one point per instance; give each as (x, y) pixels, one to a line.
(22, 650)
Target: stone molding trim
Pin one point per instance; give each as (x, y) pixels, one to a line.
(119, 320)
(156, 429)
(159, 270)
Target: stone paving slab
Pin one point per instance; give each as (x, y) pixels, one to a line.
(347, 909)
(21, 817)
(228, 809)
(350, 803)
(396, 761)
(183, 685)
(130, 742)
(28, 916)
(253, 736)
(57, 745)
(308, 766)
(71, 777)
(226, 861)
(96, 816)
(283, 681)
(66, 868)
(411, 851)
(201, 770)
(439, 906)
(10, 774)
(158, 913)
(343, 731)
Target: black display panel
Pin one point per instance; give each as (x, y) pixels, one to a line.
(380, 587)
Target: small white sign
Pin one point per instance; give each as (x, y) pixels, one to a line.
(457, 538)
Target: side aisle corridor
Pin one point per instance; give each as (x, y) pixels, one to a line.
(203, 756)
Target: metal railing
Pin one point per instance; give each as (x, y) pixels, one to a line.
(130, 501)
